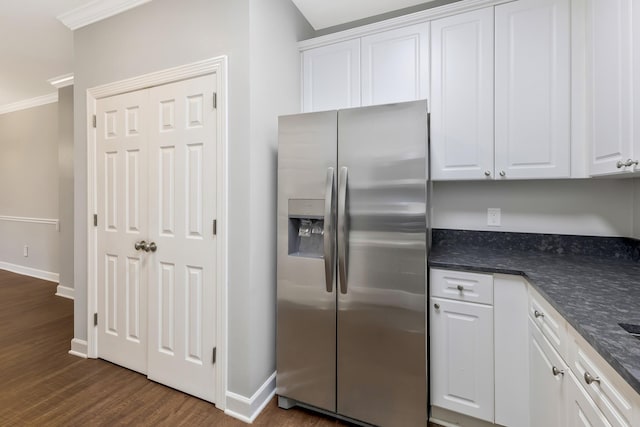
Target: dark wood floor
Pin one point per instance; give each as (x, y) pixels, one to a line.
(41, 384)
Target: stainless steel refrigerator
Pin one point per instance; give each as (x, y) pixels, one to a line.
(352, 251)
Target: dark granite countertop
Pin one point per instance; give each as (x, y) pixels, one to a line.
(594, 282)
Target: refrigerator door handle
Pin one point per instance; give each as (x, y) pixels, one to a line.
(342, 229)
(329, 217)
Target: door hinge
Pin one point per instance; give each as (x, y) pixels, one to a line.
(95, 319)
(215, 100)
(95, 220)
(215, 227)
(213, 358)
(95, 121)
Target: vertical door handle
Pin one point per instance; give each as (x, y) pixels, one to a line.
(343, 236)
(328, 232)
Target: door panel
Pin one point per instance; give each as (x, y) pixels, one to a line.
(182, 201)
(122, 209)
(306, 315)
(381, 359)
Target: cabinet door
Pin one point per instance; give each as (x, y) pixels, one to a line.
(533, 91)
(582, 410)
(395, 65)
(546, 385)
(331, 76)
(461, 343)
(462, 96)
(609, 83)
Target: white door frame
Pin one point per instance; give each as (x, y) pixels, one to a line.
(217, 66)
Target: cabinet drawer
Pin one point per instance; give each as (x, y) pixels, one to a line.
(552, 325)
(462, 286)
(608, 390)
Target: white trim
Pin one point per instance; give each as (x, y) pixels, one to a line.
(48, 221)
(401, 21)
(247, 409)
(217, 66)
(32, 272)
(61, 81)
(65, 292)
(29, 103)
(78, 348)
(95, 11)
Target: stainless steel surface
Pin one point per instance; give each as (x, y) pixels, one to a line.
(588, 378)
(381, 318)
(328, 232)
(620, 164)
(487, 173)
(343, 235)
(140, 245)
(503, 173)
(555, 371)
(537, 314)
(306, 312)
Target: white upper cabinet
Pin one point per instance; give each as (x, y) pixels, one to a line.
(609, 85)
(533, 89)
(395, 65)
(462, 96)
(331, 76)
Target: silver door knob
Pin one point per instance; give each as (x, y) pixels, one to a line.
(487, 173)
(630, 162)
(436, 306)
(503, 173)
(555, 371)
(588, 378)
(141, 245)
(460, 288)
(150, 247)
(537, 314)
(620, 164)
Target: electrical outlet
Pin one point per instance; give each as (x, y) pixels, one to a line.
(25, 251)
(493, 217)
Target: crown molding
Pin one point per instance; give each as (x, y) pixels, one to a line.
(29, 103)
(95, 11)
(61, 81)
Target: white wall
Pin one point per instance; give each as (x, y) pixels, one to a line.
(596, 207)
(29, 186)
(65, 185)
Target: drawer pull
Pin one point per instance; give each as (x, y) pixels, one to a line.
(538, 314)
(555, 371)
(436, 306)
(460, 288)
(588, 378)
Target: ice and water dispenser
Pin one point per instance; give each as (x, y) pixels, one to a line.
(306, 228)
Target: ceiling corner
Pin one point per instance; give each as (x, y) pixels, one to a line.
(95, 11)
(61, 81)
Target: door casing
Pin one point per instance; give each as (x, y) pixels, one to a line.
(218, 67)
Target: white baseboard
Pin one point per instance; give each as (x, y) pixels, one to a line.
(65, 292)
(79, 348)
(247, 409)
(32, 272)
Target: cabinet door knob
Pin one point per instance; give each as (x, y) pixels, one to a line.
(537, 314)
(487, 173)
(503, 173)
(436, 306)
(588, 378)
(620, 164)
(630, 162)
(460, 288)
(555, 371)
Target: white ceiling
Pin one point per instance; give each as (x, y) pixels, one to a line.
(328, 13)
(35, 46)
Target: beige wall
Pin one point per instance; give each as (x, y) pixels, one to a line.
(29, 186)
(596, 207)
(65, 184)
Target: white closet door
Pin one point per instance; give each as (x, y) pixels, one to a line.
(182, 208)
(122, 221)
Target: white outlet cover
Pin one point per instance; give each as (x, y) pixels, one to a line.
(493, 217)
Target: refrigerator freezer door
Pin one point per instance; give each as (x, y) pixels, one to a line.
(381, 350)
(306, 316)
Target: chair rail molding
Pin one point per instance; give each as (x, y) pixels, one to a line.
(49, 221)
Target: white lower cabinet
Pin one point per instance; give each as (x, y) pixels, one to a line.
(581, 409)
(462, 357)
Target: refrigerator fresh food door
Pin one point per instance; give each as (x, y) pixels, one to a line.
(306, 315)
(382, 252)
